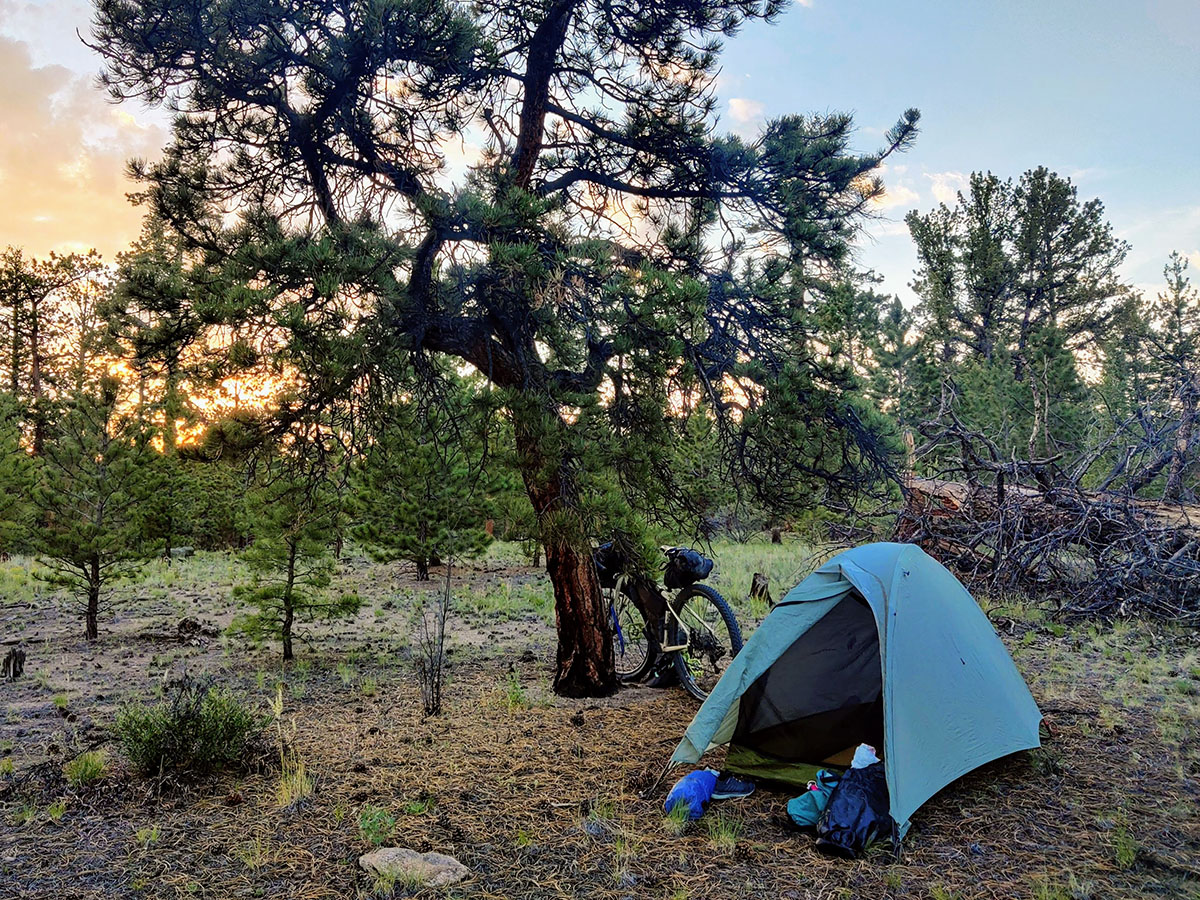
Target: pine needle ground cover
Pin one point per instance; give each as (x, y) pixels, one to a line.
(538, 795)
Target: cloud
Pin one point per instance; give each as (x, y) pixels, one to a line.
(897, 195)
(946, 185)
(747, 115)
(63, 151)
(744, 111)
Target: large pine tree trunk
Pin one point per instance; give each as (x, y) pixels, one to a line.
(585, 659)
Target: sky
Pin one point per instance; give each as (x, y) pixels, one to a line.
(1106, 92)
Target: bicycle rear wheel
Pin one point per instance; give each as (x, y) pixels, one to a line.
(712, 636)
(634, 649)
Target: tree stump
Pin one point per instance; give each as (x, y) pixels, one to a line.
(14, 664)
(760, 588)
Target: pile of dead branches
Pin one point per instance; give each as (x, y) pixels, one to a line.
(1032, 525)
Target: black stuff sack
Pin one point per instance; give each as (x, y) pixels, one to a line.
(857, 814)
(685, 567)
(609, 564)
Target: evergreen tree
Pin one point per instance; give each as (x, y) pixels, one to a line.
(422, 490)
(39, 298)
(88, 487)
(1174, 344)
(16, 469)
(294, 518)
(1019, 276)
(607, 244)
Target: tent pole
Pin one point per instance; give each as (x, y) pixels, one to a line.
(643, 794)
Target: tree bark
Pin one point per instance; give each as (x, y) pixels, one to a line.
(92, 615)
(35, 380)
(584, 666)
(1173, 491)
(289, 611)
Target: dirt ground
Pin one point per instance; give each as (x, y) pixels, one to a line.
(540, 796)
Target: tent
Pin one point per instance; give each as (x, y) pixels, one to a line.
(880, 645)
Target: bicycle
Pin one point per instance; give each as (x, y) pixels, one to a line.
(693, 635)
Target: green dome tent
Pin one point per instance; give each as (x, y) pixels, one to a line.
(880, 645)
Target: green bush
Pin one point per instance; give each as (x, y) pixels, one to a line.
(200, 729)
(375, 824)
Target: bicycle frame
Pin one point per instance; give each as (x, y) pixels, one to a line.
(663, 646)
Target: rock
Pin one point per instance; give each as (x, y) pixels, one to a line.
(411, 867)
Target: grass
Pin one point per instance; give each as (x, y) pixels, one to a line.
(56, 810)
(723, 831)
(676, 822)
(256, 853)
(419, 807)
(369, 686)
(146, 836)
(85, 769)
(295, 784)
(1124, 844)
(515, 696)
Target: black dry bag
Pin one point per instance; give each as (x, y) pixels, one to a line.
(858, 813)
(685, 567)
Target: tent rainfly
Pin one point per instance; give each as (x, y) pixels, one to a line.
(880, 645)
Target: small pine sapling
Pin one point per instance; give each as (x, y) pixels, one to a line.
(294, 520)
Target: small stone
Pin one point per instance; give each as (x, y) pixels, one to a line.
(976, 850)
(595, 829)
(409, 866)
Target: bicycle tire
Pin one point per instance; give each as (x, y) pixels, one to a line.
(697, 678)
(635, 651)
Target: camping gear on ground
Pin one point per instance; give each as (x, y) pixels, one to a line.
(684, 567)
(864, 755)
(881, 645)
(857, 813)
(805, 810)
(693, 790)
(730, 787)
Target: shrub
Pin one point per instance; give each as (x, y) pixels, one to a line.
(202, 728)
(375, 824)
(85, 768)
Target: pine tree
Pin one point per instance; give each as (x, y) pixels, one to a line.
(294, 519)
(16, 469)
(609, 240)
(422, 491)
(88, 488)
(1174, 343)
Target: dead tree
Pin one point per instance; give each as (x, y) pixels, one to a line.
(1064, 528)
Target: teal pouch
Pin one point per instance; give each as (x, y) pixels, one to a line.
(806, 809)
